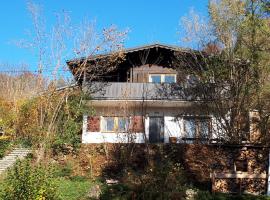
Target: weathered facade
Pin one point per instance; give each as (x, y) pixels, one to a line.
(143, 100)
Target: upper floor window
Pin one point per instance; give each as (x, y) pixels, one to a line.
(162, 78)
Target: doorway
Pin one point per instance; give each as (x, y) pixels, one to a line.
(156, 129)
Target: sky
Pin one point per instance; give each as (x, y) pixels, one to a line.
(148, 21)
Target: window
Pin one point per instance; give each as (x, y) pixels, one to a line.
(114, 124)
(162, 78)
(122, 124)
(155, 78)
(108, 124)
(190, 128)
(197, 127)
(169, 79)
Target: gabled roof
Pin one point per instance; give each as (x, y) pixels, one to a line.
(156, 45)
(138, 48)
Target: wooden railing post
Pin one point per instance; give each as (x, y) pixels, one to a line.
(268, 175)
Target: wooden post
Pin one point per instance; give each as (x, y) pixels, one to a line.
(268, 175)
(240, 186)
(213, 182)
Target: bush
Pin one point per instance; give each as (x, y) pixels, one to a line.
(5, 143)
(162, 180)
(27, 182)
(69, 124)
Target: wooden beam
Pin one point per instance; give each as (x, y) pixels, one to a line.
(240, 175)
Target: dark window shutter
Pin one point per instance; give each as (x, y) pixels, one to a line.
(93, 124)
(137, 124)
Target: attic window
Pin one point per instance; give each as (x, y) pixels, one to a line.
(162, 78)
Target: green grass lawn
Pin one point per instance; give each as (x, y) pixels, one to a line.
(70, 189)
(73, 189)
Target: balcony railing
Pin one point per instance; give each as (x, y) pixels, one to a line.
(141, 91)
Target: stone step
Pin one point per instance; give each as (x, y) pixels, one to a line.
(10, 159)
(18, 153)
(7, 163)
(14, 156)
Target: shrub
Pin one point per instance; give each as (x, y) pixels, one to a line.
(163, 180)
(69, 124)
(27, 182)
(5, 143)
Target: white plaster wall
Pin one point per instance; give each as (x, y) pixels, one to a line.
(171, 128)
(146, 127)
(99, 137)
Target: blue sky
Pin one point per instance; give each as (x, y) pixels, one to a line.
(149, 21)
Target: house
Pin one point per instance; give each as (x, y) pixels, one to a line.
(146, 98)
(143, 98)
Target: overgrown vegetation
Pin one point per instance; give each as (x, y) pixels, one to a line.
(28, 182)
(232, 67)
(163, 181)
(5, 144)
(69, 122)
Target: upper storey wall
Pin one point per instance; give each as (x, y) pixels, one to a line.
(141, 74)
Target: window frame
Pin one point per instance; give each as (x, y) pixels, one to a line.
(115, 124)
(162, 77)
(198, 127)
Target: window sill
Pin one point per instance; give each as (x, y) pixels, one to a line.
(113, 132)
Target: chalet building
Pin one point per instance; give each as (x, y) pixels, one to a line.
(144, 98)
(138, 102)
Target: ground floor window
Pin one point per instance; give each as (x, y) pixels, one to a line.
(197, 127)
(114, 124)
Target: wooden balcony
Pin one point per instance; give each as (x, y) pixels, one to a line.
(139, 91)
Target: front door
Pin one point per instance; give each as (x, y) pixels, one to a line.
(156, 129)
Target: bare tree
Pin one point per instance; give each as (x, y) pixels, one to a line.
(230, 79)
(39, 115)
